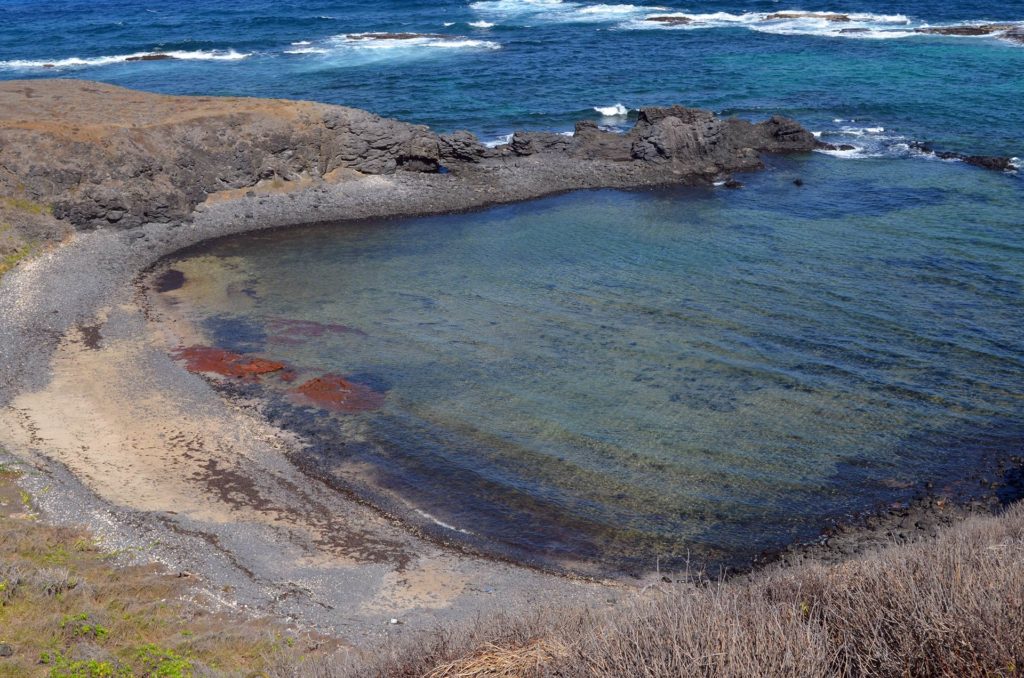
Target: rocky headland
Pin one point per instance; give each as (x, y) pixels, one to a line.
(99, 182)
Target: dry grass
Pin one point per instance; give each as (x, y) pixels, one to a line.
(66, 609)
(949, 607)
(953, 606)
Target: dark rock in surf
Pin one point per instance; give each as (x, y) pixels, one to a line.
(670, 20)
(997, 163)
(966, 30)
(1015, 34)
(781, 16)
(150, 57)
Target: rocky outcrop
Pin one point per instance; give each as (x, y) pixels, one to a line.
(825, 16)
(670, 20)
(676, 138)
(100, 156)
(966, 30)
(996, 163)
(103, 155)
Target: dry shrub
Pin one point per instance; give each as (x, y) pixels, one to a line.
(952, 607)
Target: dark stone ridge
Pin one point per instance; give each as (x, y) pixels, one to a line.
(982, 29)
(150, 57)
(119, 158)
(840, 18)
(997, 163)
(836, 147)
(1015, 34)
(670, 20)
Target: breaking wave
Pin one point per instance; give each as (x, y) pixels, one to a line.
(87, 62)
(854, 25)
(615, 111)
(363, 46)
(559, 11)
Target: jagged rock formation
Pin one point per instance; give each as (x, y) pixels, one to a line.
(99, 156)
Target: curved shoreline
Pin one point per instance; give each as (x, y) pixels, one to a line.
(71, 318)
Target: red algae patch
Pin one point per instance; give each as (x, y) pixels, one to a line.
(334, 392)
(218, 361)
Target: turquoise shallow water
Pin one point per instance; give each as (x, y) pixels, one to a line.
(616, 378)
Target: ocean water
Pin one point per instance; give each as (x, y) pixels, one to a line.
(613, 379)
(498, 65)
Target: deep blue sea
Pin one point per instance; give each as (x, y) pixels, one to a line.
(613, 379)
(499, 65)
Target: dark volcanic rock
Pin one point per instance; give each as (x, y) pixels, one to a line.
(530, 143)
(119, 159)
(670, 20)
(836, 147)
(460, 146)
(775, 135)
(840, 18)
(997, 163)
(982, 29)
(1015, 34)
(150, 57)
(126, 158)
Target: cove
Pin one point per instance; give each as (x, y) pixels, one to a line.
(603, 381)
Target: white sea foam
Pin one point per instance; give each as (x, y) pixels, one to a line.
(449, 23)
(87, 62)
(1018, 165)
(440, 523)
(614, 111)
(859, 25)
(499, 141)
(360, 41)
(861, 131)
(558, 11)
(481, 24)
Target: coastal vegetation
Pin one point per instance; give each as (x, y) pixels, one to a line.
(70, 609)
(950, 606)
(15, 247)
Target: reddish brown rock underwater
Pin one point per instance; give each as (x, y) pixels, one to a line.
(334, 392)
(211, 360)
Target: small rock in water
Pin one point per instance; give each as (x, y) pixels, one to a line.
(798, 182)
(732, 183)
